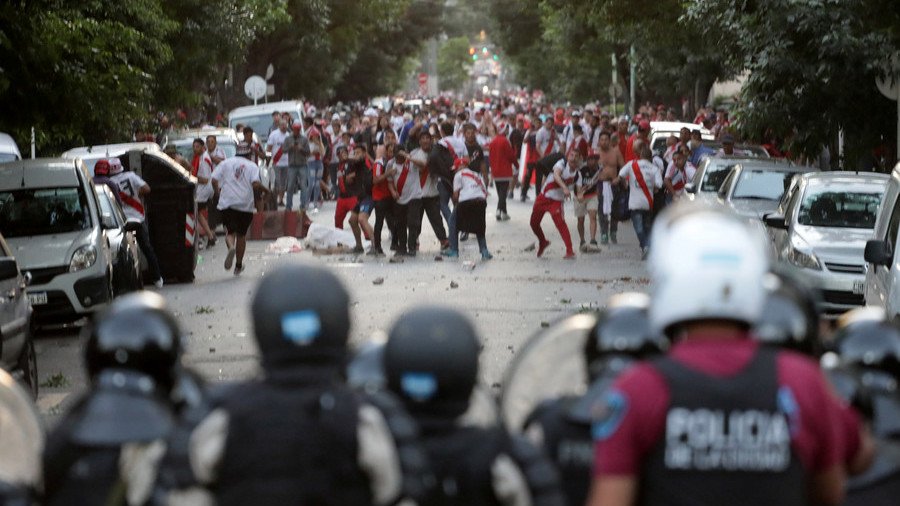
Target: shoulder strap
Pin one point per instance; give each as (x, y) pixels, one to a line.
(639, 177)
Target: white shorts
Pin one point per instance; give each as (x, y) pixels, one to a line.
(589, 204)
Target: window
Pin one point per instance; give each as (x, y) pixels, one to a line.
(761, 184)
(824, 208)
(714, 177)
(43, 211)
(891, 238)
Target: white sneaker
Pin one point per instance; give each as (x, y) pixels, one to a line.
(158, 283)
(229, 258)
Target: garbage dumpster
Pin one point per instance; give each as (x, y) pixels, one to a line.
(171, 211)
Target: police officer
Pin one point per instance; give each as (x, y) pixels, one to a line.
(431, 362)
(790, 315)
(562, 426)
(105, 449)
(719, 419)
(21, 444)
(299, 434)
(869, 346)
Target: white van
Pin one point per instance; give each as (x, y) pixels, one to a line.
(9, 151)
(882, 287)
(259, 117)
(90, 155)
(52, 221)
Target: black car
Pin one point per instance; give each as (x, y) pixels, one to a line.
(16, 346)
(126, 257)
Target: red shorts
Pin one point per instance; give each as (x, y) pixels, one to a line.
(344, 206)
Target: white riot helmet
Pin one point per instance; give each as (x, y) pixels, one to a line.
(115, 166)
(705, 263)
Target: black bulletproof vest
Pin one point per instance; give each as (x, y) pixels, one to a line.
(292, 443)
(92, 479)
(725, 442)
(569, 445)
(461, 458)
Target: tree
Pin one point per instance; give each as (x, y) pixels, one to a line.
(454, 62)
(811, 68)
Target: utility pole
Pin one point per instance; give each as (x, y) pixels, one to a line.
(632, 59)
(612, 85)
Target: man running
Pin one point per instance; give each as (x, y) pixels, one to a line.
(132, 190)
(550, 200)
(235, 180)
(611, 160)
(643, 178)
(586, 202)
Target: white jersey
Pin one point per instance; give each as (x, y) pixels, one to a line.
(551, 189)
(130, 185)
(204, 191)
(429, 184)
(652, 177)
(470, 185)
(276, 140)
(236, 177)
(406, 180)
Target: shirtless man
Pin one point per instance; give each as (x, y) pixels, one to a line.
(611, 160)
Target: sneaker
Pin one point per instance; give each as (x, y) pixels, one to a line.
(393, 247)
(358, 249)
(315, 210)
(400, 253)
(158, 283)
(499, 216)
(542, 247)
(450, 253)
(582, 247)
(379, 252)
(210, 243)
(612, 238)
(569, 256)
(505, 216)
(238, 269)
(644, 252)
(523, 198)
(229, 258)
(486, 255)
(464, 236)
(594, 245)
(445, 244)
(604, 239)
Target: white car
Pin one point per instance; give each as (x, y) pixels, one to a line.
(259, 117)
(661, 130)
(709, 176)
(9, 150)
(882, 288)
(90, 155)
(821, 228)
(226, 138)
(753, 188)
(53, 224)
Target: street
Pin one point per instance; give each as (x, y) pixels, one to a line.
(509, 297)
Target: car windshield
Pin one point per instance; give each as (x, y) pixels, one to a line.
(261, 124)
(714, 177)
(43, 211)
(839, 209)
(761, 184)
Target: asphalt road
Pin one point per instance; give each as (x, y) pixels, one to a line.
(509, 297)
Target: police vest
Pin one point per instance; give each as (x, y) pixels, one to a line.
(91, 477)
(726, 441)
(569, 445)
(462, 458)
(292, 443)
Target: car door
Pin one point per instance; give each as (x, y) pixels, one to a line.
(787, 207)
(15, 310)
(879, 279)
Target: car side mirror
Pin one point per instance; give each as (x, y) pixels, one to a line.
(108, 222)
(775, 220)
(8, 268)
(690, 188)
(878, 252)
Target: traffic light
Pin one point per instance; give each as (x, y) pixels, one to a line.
(471, 50)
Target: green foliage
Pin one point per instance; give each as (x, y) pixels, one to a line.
(454, 62)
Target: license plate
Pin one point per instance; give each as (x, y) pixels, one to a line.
(859, 287)
(37, 298)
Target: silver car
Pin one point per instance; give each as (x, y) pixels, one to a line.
(821, 228)
(710, 174)
(754, 187)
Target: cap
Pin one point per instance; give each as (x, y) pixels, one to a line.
(296, 126)
(576, 113)
(644, 125)
(335, 117)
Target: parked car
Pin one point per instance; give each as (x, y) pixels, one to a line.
(710, 174)
(882, 287)
(661, 130)
(125, 254)
(17, 352)
(226, 138)
(50, 216)
(9, 150)
(821, 229)
(259, 117)
(753, 188)
(91, 154)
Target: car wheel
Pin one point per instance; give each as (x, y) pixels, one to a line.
(28, 365)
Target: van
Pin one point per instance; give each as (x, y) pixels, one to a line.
(51, 219)
(9, 151)
(882, 285)
(259, 117)
(90, 155)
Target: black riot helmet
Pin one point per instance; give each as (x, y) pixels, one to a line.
(865, 338)
(136, 333)
(431, 361)
(790, 317)
(301, 315)
(622, 330)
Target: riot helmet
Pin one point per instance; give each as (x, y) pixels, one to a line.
(622, 330)
(705, 264)
(301, 315)
(790, 317)
(137, 333)
(21, 441)
(431, 361)
(865, 338)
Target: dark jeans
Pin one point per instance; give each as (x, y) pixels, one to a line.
(408, 225)
(331, 176)
(607, 222)
(642, 222)
(538, 179)
(384, 212)
(142, 236)
(445, 193)
(431, 206)
(502, 190)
